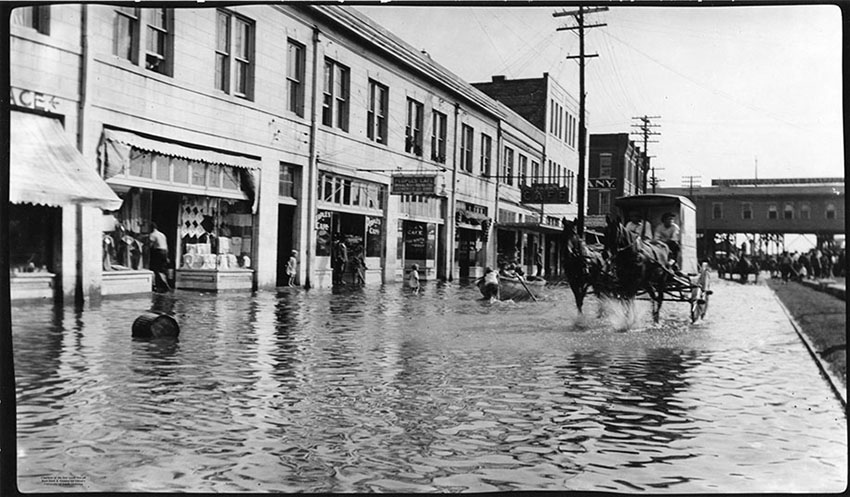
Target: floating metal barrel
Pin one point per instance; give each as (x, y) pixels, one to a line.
(153, 324)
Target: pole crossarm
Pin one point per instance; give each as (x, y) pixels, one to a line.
(570, 28)
(582, 10)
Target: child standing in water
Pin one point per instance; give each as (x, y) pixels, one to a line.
(413, 278)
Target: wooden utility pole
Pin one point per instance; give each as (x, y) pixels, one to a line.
(654, 180)
(578, 15)
(645, 132)
(689, 180)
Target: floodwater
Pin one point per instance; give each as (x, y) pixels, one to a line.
(381, 390)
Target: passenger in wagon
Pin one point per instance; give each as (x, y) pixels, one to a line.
(669, 233)
(638, 226)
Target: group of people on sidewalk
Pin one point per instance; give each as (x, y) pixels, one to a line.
(814, 264)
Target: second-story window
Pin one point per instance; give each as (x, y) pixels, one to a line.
(413, 130)
(466, 137)
(156, 37)
(295, 70)
(376, 116)
(788, 212)
(746, 210)
(716, 210)
(335, 100)
(829, 212)
(772, 212)
(438, 137)
(486, 153)
(234, 54)
(508, 174)
(522, 166)
(535, 172)
(605, 165)
(36, 17)
(805, 211)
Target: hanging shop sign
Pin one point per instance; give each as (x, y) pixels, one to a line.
(602, 183)
(544, 193)
(409, 184)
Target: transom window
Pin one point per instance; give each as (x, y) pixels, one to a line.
(234, 54)
(286, 180)
(335, 99)
(376, 116)
(347, 191)
(184, 172)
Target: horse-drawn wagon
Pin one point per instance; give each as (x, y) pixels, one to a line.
(633, 265)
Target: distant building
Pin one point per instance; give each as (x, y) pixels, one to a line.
(616, 168)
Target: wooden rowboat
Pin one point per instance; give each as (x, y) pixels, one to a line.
(513, 289)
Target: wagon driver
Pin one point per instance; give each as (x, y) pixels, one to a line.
(668, 232)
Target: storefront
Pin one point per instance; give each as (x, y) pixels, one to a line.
(472, 231)
(52, 189)
(350, 230)
(529, 243)
(202, 200)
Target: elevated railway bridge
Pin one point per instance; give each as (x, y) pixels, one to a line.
(764, 211)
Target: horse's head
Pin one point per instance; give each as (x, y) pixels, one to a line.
(616, 235)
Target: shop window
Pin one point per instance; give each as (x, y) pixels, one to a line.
(413, 129)
(156, 37)
(466, 137)
(36, 17)
(716, 210)
(374, 236)
(376, 114)
(140, 164)
(295, 73)
(286, 181)
(486, 153)
(438, 137)
(746, 210)
(830, 211)
(508, 172)
(335, 97)
(788, 212)
(33, 232)
(772, 212)
(234, 54)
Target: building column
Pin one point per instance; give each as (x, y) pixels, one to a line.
(265, 226)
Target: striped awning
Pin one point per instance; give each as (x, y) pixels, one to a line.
(47, 169)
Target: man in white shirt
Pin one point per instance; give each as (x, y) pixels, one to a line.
(638, 226)
(159, 258)
(669, 233)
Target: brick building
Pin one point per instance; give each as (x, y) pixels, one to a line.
(616, 167)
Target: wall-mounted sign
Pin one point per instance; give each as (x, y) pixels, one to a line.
(34, 100)
(609, 183)
(410, 184)
(545, 194)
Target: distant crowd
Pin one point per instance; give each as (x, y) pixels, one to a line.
(814, 264)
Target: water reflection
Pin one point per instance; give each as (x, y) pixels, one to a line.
(379, 389)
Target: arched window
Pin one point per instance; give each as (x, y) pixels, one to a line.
(805, 211)
(772, 212)
(788, 213)
(830, 211)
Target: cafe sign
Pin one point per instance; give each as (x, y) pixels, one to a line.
(414, 184)
(34, 100)
(545, 193)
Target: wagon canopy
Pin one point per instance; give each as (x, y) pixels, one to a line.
(652, 206)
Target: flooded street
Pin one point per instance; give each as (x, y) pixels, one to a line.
(382, 390)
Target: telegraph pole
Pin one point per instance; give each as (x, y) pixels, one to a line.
(644, 129)
(654, 180)
(578, 15)
(689, 180)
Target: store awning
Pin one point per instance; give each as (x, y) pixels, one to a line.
(470, 217)
(113, 137)
(47, 169)
(536, 227)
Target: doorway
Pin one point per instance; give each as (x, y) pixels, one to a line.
(165, 207)
(285, 216)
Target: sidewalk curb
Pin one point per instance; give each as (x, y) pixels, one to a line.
(834, 382)
(831, 289)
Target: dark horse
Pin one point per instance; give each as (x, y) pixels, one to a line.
(583, 265)
(637, 265)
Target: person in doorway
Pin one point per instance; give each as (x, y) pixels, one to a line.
(358, 268)
(489, 284)
(538, 261)
(340, 260)
(668, 232)
(413, 278)
(291, 265)
(159, 259)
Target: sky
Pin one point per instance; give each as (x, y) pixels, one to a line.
(737, 92)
